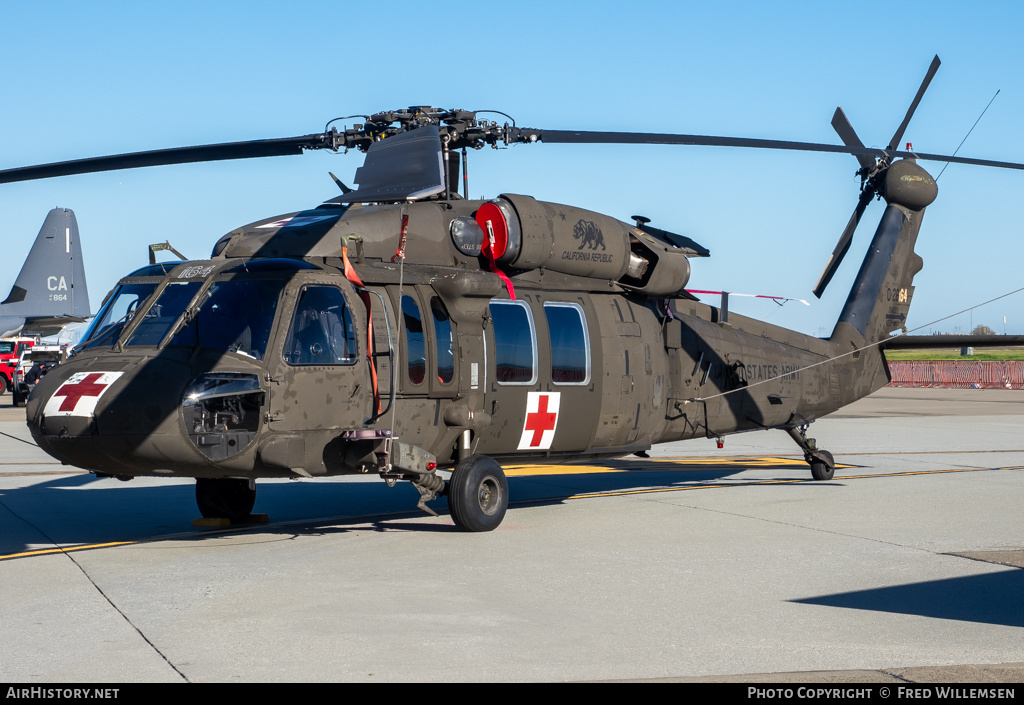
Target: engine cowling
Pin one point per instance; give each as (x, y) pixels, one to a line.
(534, 234)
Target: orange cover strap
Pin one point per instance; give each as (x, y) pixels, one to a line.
(353, 277)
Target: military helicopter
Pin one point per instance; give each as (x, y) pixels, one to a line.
(400, 328)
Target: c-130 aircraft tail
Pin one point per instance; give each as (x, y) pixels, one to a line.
(50, 291)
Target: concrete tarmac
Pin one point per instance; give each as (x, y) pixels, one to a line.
(697, 564)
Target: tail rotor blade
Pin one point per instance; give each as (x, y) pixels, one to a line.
(836, 258)
(894, 143)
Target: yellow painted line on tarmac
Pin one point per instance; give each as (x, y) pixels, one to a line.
(115, 544)
(15, 462)
(188, 536)
(526, 470)
(44, 472)
(931, 452)
(651, 490)
(656, 465)
(928, 472)
(69, 549)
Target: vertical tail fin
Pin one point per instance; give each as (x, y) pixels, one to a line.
(880, 298)
(50, 291)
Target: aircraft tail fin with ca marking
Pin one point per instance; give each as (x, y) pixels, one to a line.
(50, 291)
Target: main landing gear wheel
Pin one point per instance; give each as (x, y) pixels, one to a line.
(225, 498)
(823, 467)
(478, 494)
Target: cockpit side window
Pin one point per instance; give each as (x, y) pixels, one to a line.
(444, 341)
(322, 331)
(116, 312)
(415, 342)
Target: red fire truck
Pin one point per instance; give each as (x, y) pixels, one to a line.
(10, 352)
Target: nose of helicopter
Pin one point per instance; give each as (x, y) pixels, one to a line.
(112, 415)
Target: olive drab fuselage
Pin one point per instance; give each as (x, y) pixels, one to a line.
(564, 334)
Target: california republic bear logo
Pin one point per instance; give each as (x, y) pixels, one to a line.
(589, 233)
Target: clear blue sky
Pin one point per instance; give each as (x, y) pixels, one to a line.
(87, 79)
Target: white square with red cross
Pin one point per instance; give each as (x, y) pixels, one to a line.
(541, 420)
(79, 394)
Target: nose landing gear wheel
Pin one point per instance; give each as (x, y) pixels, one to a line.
(478, 494)
(225, 498)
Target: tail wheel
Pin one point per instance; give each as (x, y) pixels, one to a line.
(478, 494)
(824, 466)
(225, 498)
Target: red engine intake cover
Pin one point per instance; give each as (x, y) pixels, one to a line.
(489, 212)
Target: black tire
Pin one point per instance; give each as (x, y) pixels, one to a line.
(17, 399)
(225, 498)
(822, 470)
(5, 385)
(478, 494)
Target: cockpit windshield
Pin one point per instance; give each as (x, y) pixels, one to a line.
(233, 315)
(158, 318)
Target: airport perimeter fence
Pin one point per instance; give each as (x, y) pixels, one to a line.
(957, 374)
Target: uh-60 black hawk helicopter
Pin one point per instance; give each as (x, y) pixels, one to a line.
(400, 329)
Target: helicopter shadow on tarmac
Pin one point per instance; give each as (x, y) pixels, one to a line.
(993, 598)
(80, 509)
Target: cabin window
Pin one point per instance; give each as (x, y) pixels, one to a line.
(322, 332)
(515, 344)
(445, 342)
(570, 345)
(415, 343)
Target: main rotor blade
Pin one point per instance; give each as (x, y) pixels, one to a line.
(843, 246)
(581, 137)
(180, 155)
(895, 141)
(844, 129)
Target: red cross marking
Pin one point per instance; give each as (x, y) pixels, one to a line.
(73, 392)
(540, 421)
